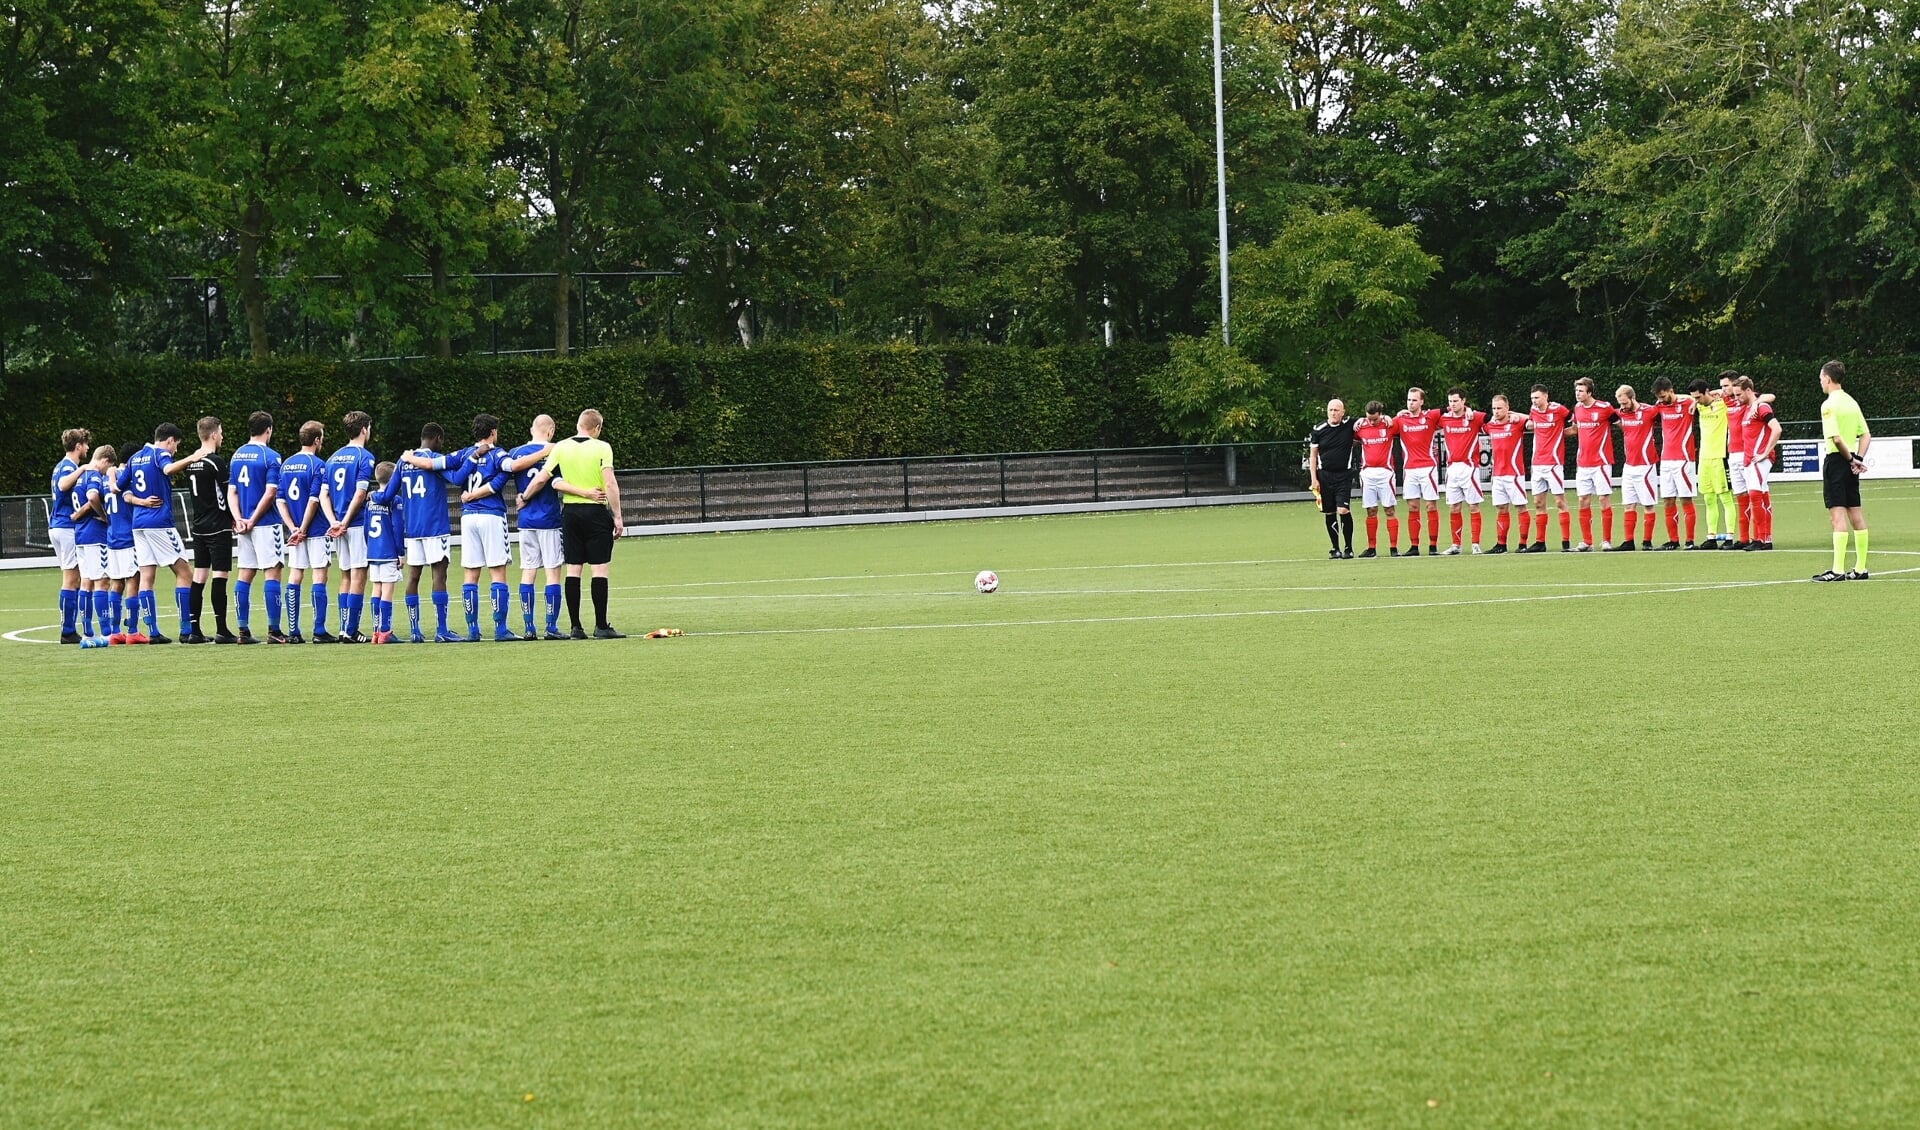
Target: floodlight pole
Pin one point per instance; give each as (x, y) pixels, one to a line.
(1220, 169)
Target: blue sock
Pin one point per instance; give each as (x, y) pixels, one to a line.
(243, 604)
(413, 611)
(470, 603)
(83, 611)
(526, 604)
(69, 607)
(273, 606)
(386, 616)
(355, 603)
(499, 591)
(151, 607)
(183, 600)
(440, 600)
(553, 608)
(345, 601)
(319, 607)
(117, 603)
(293, 595)
(103, 611)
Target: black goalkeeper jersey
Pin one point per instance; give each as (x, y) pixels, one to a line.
(207, 483)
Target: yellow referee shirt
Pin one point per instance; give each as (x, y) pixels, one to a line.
(1840, 416)
(580, 461)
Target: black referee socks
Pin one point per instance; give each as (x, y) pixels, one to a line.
(600, 603)
(1346, 530)
(1333, 529)
(573, 601)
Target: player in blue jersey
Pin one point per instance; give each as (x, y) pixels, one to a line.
(123, 574)
(539, 512)
(66, 476)
(343, 498)
(253, 487)
(385, 537)
(145, 483)
(90, 496)
(423, 506)
(483, 526)
(307, 547)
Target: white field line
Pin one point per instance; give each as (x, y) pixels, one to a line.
(1179, 616)
(17, 636)
(969, 594)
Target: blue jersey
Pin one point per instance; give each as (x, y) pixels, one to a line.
(542, 511)
(300, 487)
(119, 519)
(348, 471)
(485, 469)
(255, 467)
(423, 498)
(383, 522)
(145, 476)
(60, 508)
(92, 529)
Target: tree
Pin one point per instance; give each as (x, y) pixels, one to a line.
(1209, 392)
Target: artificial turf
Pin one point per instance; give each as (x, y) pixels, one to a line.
(1187, 826)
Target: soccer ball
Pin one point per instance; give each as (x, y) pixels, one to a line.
(986, 581)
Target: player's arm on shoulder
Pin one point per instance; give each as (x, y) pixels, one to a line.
(530, 459)
(65, 482)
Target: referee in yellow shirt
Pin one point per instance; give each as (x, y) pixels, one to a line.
(1846, 435)
(581, 469)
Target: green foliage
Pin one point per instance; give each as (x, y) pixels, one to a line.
(1209, 392)
(665, 405)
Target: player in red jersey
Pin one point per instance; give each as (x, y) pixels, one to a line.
(1679, 460)
(1508, 432)
(1640, 479)
(1547, 422)
(1762, 432)
(1737, 455)
(1375, 435)
(1418, 426)
(1461, 426)
(1593, 425)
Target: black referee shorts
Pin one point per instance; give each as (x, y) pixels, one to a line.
(1838, 484)
(213, 552)
(586, 534)
(1336, 491)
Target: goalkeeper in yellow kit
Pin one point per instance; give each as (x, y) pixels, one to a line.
(1716, 496)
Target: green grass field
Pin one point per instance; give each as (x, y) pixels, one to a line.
(1187, 826)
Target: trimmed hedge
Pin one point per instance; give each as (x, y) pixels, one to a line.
(665, 405)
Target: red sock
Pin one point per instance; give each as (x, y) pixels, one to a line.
(1373, 530)
(1433, 528)
(1453, 520)
(1586, 526)
(1475, 527)
(1673, 522)
(1393, 531)
(1502, 525)
(1762, 515)
(1526, 526)
(1693, 517)
(1744, 504)
(1633, 523)
(1413, 528)
(1606, 523)
(1566, 527)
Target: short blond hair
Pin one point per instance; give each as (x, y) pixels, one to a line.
(591, 419)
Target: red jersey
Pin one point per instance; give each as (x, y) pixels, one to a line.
(1737, 429)
(1594, 425)
(1463, 435)
(1549, 428)
(1759, 438)
(1376, 443)
(1508, 438)
(1636, 429)
(1416, 436)
(1676, 431)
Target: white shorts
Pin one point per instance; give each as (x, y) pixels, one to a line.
(540, 549)
(1376, 487)
(1463, 484)
(1508, 490)
(1548, 478)
(483, 541)
(1594, 480)
(383, 572)
(121, 564)
(350, 548)
(1737, 473)
(313, 553)
(93, 561)
(63, 546)
(1637, 487)
(1421, 483)
(429, 551)
(157, 547)
(1678, 479)
(259, 548)
(1760, 477)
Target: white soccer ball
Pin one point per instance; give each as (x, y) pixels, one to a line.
(986, 581)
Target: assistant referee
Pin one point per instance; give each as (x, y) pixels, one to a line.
(581, 469)
(1845, 431)
(1330, 468)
